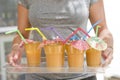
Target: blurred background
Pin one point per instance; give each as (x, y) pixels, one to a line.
(8, 21)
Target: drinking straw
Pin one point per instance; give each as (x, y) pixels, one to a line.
(94, 25)
(41, 34)
(57, 33)
(96, 42)
(12, 31)
(54, 30)
(78, 29)
(75, 37)
(96, 34)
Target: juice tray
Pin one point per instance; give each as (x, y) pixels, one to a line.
(23, 68)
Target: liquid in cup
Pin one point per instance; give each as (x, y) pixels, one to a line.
(54, 55)
(33, 53)
(93, 57)
(75, 57)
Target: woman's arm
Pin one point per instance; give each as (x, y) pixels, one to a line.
(23, 22)
(14, 57)
(97, 13)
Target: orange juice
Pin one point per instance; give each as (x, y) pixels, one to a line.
(33, 53)
(93, 57)
(75, 56)
(54, 55)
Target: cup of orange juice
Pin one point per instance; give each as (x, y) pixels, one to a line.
(54, 55)
(93, 57)
(75, 57)
(33, 53)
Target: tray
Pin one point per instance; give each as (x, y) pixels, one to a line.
(23, 68)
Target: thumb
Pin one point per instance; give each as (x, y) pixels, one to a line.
(21, 43)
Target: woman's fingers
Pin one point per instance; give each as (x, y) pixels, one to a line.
(11, 59)
(17, 58)
(107, 56)
(14, 58)
(106, 53)
(108, 60)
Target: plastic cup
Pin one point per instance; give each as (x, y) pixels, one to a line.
(75, 57)
(93, 57)
(33, 53)
(54, 55)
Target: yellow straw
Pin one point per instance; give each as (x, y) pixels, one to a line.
(97, 30)
(41, 34)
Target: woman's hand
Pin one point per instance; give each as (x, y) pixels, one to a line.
(108, 53)
(107, 56)
(14, 57)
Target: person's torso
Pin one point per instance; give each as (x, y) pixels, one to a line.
(64, 15)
